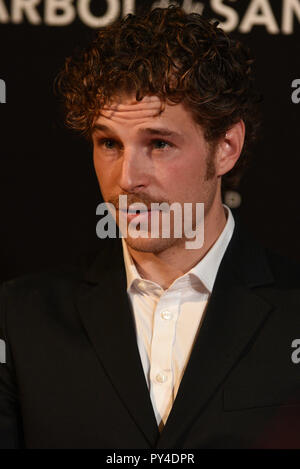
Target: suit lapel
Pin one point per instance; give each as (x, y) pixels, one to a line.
(234, 315)
(109, 323)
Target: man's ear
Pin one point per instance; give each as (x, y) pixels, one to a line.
(229, 148)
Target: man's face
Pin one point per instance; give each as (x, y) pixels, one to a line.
(152, 158)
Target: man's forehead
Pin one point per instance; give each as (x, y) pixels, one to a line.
(127, 105)
(130, 99)
(127, 112)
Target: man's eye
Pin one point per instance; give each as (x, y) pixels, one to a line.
(108, 143)
(160, 144)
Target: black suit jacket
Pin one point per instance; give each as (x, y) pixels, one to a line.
(73, 376)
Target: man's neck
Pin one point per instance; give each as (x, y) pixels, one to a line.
(165, 267)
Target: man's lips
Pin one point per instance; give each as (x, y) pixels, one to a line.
(131, 214)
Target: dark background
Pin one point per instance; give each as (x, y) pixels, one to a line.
(49, 192)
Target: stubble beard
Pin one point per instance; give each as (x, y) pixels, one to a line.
(160, 244)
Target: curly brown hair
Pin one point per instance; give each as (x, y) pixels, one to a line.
(177, 56)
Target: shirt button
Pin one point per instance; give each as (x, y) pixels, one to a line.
(142, 285)
(167, 315)
(161, 378)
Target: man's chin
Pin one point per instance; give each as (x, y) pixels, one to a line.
(154, 245)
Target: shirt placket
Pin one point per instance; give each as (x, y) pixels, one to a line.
(161, 360)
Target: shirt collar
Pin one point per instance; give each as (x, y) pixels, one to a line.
(131, 270)
(205, 270)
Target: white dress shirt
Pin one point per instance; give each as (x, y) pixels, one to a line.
(167, 321)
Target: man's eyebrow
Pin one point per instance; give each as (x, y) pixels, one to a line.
(160, 131)
(100, 127)
(164, 132)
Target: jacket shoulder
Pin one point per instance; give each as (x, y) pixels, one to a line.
(57, 287)
(62, 276)
(286, 271)
(259, 265)
(43, 281)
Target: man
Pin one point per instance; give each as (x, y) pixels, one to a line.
(156, 345)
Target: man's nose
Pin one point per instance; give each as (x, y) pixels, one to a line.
(134, 171)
